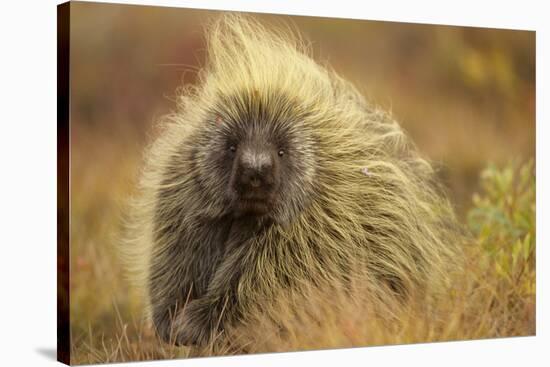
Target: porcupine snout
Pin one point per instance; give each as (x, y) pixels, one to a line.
(256, 169)
(256, 180)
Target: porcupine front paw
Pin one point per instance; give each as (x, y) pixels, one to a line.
(198, 324)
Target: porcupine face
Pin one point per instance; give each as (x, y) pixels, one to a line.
(260, 155)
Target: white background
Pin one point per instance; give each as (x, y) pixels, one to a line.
(28, 182)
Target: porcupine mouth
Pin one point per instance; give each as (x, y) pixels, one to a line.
(253, 204)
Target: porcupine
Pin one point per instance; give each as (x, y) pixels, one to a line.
(274, 171)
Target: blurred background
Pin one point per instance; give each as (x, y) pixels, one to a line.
(465, 95)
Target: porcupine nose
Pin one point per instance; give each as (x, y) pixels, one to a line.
(252, 178)
(256, 169)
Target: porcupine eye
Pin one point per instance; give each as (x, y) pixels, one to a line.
(281, 153)
(232, 149)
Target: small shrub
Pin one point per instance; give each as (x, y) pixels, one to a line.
(503, 219)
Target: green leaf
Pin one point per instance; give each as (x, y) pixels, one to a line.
(526, 246)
